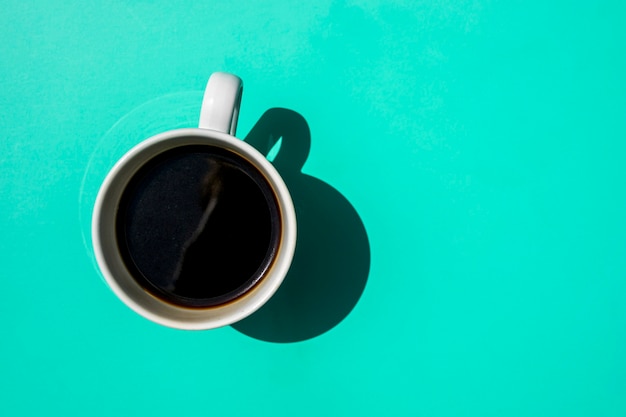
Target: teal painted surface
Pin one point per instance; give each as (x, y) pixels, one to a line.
(482, 144)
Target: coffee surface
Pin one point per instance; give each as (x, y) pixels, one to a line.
(198, 225)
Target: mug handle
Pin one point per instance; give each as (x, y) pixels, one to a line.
(220, 105)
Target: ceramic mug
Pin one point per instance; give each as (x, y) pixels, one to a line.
(174, 220)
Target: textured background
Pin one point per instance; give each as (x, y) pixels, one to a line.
(463, 195)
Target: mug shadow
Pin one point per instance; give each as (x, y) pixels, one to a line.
(332, 259)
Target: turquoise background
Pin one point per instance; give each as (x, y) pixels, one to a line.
(482, 144)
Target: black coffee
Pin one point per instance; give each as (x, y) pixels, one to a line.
(198, 225)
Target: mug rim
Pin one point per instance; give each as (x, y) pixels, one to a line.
(120, 280)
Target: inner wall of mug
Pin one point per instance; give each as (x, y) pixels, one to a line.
(120, 279)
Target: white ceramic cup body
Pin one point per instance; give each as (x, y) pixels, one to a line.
(121, 281)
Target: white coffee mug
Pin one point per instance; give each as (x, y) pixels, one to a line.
(218, 122)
